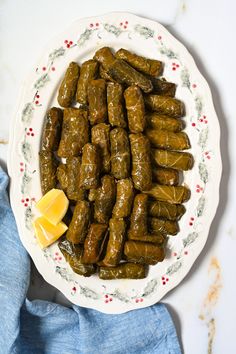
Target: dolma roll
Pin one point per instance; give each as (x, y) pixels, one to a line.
(165, 139)
(147, 66)
(115, 105)
(157, 238)
(163, 226)
(123, 271)
(105, 199)
(69, 177)
(93, 243)
(78, 227)
(48, 170)
(167, 176)
(52, 129)
(171, 194)
(120, 153)
(121, 71)
(88, 72)
(143, 252)
(160, 121)
(177, 160)
(90, 167)
(115, 242)
(75, 132)
(163, 87)
(141, 162)
(100, 136)
(124, 198)
(166, 210)
(135, 109)
(92, 194)
(68, 85)
(73, 255)
(138, 219)
(97, 101)
(104, 74)
(165, 105)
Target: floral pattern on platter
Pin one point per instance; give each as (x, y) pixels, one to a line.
(178, 70)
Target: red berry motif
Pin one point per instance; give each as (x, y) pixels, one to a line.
(164, 279)
(159, 38)
(207, 155)
(73, 290)
(57, 257)
(108, 298)
(68, 45)
(199, 188)
(175, 66)
(194, 85)
(203, 119)
(29, 132)
(124, 24)
(139, 300)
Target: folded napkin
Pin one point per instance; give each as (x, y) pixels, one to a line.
(38, 327)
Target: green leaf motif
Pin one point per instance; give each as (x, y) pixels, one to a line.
(120, 296)
(198, 105)
(27, 113)
(203, 172)
(150, 288)
(201, 206)
(84, 37)
(203, 136)
(63, 273)
(168, 53)
(41, 81)
(28, 218)
(56, 53)
(144, 31)
(190, 239)
(25, 183)
(26, 151)
(174, 268)
(185, 77)
(112, 29)
(91, 294)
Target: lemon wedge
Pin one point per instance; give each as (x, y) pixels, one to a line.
(47, 233)
(53, 205)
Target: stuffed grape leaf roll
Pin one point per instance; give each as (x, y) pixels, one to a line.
(48, 170)
(90, 167)
(120, 153)
(115, 105)
(123, 271)
(97, 101)
(167, 176)
(68, 85)
(174, 159)
(105, 199)
(78, 227)
(124, 198)
(100, 136)
(75, 132)
(135, 109)
(104, 74)
(163, 87)
(141, 162)
(93, 244)
(160, 121)
(166, 210)
(121, 71)
(163, 226)
(73, 255)
(115, 244)
(88, 72)
(171, 194)
(138, 219)
(165, 139)
(143, 252)
(147, 66)
(52, 129)
(165, 105)
(157, 238)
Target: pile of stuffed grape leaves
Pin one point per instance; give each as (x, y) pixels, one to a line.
(116, 147)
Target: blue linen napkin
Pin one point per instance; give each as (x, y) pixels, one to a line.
(38, 327)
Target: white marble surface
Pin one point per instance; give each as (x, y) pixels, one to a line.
(203, 306)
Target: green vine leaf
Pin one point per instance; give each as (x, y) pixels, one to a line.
(27, 113)
(120, 296)
(26, 151)
(185, 77)
(63, 272)
(168, 52)
(144, 31)
(201, 206)
(91, 294)
(198, 105)
(28, 218)
(174, 268)
(190, 239)
(84, 37)
(25, 183)
(203, 136)
(41, 81)
(149, 288)
(203, 172)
